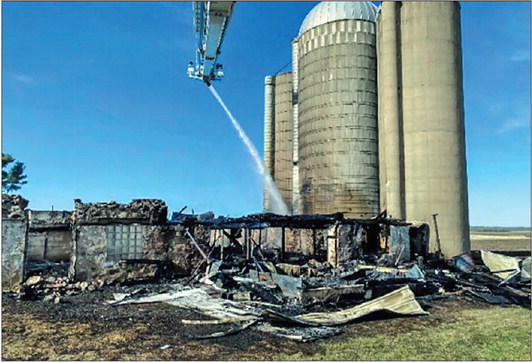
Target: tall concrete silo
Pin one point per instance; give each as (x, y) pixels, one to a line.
(278, 134)
(283, 136)
(296, 185)
(337, 100)
(269, 134)
(430, 112)
(433, 121)
(391, 140)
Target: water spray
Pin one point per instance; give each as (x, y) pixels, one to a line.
(277, 204)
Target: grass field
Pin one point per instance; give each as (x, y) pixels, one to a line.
(496, 238)
(454, 330)
(476, 334)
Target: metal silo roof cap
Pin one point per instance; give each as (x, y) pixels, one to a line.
(329, 11)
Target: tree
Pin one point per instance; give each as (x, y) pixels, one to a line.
(14, 178)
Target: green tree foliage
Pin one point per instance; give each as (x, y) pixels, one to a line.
(13, 178)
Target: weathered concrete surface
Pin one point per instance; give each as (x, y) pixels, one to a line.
(433, 114)
(13, 245)
(421, 119)
(13, 206)
(283, 136)
(97, 247)
(269, 134)
(391, 152)
(48, 219)
(337, 100)
(49, 236)
(296, 199)
(278, 135)
(51, 245)
(141, 210)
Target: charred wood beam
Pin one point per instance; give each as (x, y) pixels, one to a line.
(197, 246)
(283, 246)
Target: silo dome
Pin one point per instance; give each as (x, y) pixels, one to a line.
(329, 11)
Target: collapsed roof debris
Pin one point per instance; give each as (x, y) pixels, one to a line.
(13, 206)
(298, 277)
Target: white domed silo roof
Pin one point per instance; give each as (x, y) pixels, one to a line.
(329, 11)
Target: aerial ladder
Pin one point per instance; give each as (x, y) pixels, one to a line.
(211, 19)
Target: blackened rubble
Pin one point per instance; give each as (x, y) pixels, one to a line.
(300, 277)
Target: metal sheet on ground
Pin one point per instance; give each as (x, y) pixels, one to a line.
(498, 262)
(400, 301)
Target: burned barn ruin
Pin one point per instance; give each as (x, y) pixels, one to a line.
(299, 277)
(101, 238)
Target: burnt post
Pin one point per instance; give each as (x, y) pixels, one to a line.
(247, 242)
(282, 244)
(314, 242)
(437, 232)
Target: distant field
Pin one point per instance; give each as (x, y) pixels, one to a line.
(498, 238)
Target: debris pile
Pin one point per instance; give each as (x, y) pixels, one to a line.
(13, 206)
(140, 210)
(314, 300)
(299, 277)
(51, 288)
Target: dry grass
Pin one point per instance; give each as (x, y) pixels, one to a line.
(452, 331)
(508, 240)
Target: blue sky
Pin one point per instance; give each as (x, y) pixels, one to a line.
(97, 104)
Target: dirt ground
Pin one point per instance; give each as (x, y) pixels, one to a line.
(86, 328)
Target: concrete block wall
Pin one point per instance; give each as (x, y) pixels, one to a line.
(13, 251)
(98, 247)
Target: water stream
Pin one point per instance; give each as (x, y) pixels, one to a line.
(276, 201)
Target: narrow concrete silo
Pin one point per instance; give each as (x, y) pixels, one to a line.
(337, 100)
(269, 133)
(433, 121)
(296, 185)
(391, 143)
(283, 136)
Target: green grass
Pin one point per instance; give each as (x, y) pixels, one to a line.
(478, 334)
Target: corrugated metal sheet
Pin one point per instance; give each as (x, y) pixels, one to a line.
(401, 301)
